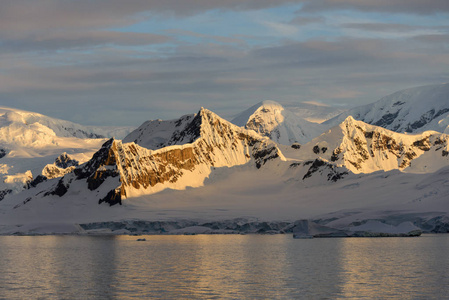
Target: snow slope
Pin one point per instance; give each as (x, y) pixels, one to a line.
(247, 193)
(412, 110)
(271, 119)
(155, 134)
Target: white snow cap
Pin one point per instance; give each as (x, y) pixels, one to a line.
(271, 119)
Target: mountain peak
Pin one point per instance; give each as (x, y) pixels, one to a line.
(349, 120)
(271, 119)
(366, 148)
(204, 142)
(270, 103)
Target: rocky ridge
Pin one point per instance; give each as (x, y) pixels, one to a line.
(364, 148)
(208, 142)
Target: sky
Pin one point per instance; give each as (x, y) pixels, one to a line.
(114, 62)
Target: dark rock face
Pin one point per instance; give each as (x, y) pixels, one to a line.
(37, 180)
(426, 118)
(296, 146)
(23, 203)
(64, 161)
(4, 193)
(112, 198)
(335, 154)
(82, 133)
(333, 172)
(387, 119)
(87, 169)
(423, 144)
(2, 153)
(317, 163)
(63, 164)
(189, 134)
(60, 189)
(262, 156)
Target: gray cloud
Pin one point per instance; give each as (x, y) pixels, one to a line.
(33, 15)
(433, 39)
(63, 58)
(79, 39)
(303, 20)
(382, 27)
(395, 6)
(36, 15)
(219, 77)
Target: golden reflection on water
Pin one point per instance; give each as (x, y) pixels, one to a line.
(223, 267)
(392, 268)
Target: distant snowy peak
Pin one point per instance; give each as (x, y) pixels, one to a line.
(122, 170)
(16, 120)
(365, 148)
(15, 130)
(411, 110)
(314, 111)
(271, 119)
(156, 134)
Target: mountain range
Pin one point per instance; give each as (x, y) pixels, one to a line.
(374, 162)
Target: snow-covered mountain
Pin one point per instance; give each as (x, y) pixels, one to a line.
(365, 148)
(412, 110)
(121, 170)
(271, 119)
(29, 141)
(314, 112)
(34, 129)
(205, 168)
(155, 134)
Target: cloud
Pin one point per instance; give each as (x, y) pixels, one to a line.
(306, 20)
(79, 39)
(433, 38)
(316, 53)
(382, 27)
(38, 15)
(35, 15)
(73, 60)
(392, 6)
(282, 29)
(220, 77)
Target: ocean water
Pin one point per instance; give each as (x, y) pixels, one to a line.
(223, 267)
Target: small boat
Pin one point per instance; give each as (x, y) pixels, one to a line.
(141, 240)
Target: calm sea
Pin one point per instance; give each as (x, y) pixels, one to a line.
(223, 266)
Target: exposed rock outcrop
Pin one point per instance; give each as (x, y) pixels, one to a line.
(364, 148)
(63, 164)
(208, 141)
